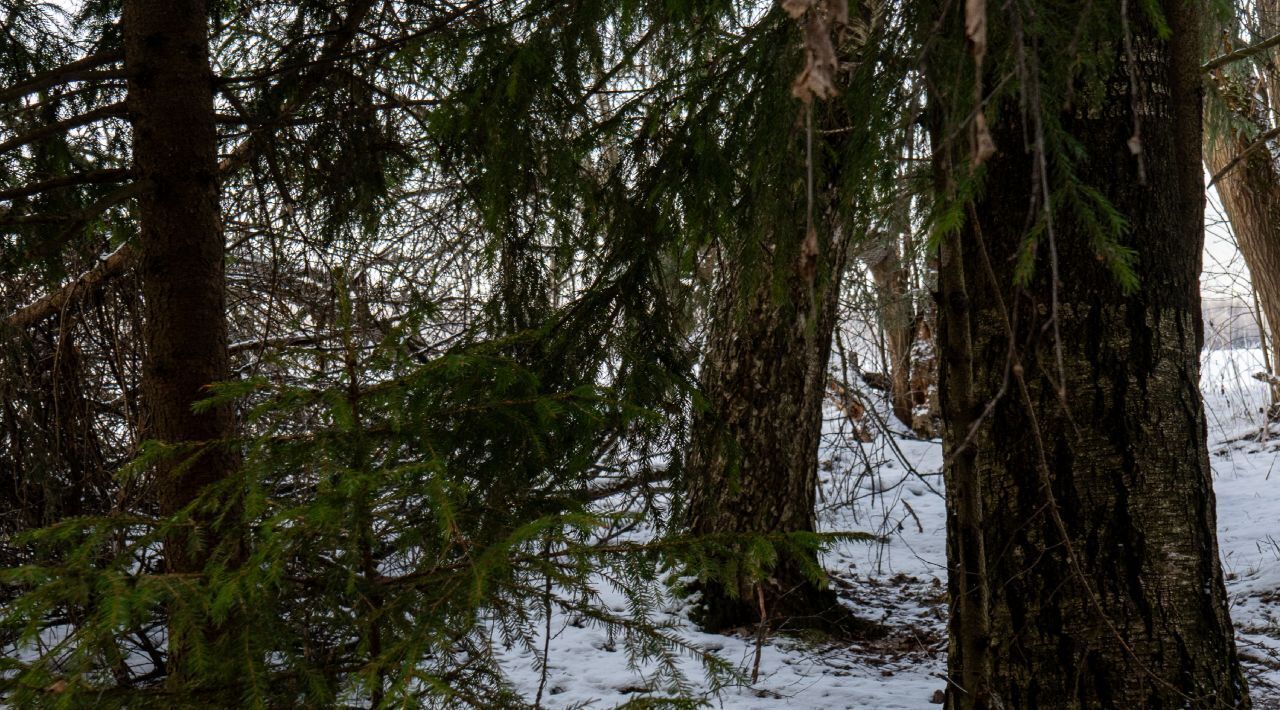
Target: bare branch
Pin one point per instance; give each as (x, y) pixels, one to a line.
(309, 83)
(89, 178)
(75, 218)
(1242, 53)
(122, 259)
(1267, 378)
(1253, 147)
(111, 266)
(79, 70)
(84, 119)
(21, 220)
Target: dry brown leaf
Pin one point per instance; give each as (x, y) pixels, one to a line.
(975, 26)
(818, 76)
(813, 81)
(796, 8)
(984, 145)
(809, 255)
(57, 686)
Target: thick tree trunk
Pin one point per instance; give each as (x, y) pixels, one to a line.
(753, 453)
(1081, 527)
(181, 266)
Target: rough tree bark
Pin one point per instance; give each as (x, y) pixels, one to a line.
(752, 460)
(1082, 548)
(181, 262)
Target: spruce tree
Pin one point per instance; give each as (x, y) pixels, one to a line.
(752, 459)
(181, 255)
(418, 481)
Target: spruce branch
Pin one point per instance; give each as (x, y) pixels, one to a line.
(93, 177)
(114, 110)
(80, 70)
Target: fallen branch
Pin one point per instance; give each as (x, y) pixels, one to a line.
(1267, 378)
(112, 265)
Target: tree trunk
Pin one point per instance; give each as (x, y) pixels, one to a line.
(1250, 195)
(753, 452)
(181, 267)
(908, 337)
(1082, 548)
(926, 415)
(1250, 191)
(898, 320)
(752, 464)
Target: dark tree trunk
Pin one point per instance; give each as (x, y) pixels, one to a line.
(522, 301)
(753, 454)
(1082, 548)
(181, 266)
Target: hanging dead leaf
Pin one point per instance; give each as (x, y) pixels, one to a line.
(818, 76)
(817, 39)
(809, 255)
(813, 81)
(984, 145)
(796, 8)
(975, 27)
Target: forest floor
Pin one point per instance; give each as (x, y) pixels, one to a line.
(892, 486)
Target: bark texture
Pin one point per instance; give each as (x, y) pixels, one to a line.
(1082, 548)
(753, 454)
(181, 260)
(908, 337)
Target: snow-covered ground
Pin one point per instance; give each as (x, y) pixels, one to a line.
(1246, 466)
(892, 486)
